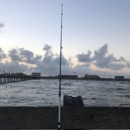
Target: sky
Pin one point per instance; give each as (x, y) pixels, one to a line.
(95, 38)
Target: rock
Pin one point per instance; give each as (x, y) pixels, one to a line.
(72, 101)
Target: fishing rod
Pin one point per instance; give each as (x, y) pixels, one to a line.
(59, 107)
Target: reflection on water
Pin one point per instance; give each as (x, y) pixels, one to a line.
(45, 92)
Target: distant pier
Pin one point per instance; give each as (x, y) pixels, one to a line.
(8, 78)
(99, 79)
(17, 77)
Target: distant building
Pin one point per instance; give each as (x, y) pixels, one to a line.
(36, 75)
(119, 77)
(69, 76)
(91, 76)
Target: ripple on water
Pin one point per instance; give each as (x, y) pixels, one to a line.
(120, 89)
(45, 92)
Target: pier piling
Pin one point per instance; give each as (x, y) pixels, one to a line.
(13, 78)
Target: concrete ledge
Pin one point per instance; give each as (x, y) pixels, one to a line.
(71, 117)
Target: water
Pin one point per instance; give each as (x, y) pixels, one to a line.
(45, 92)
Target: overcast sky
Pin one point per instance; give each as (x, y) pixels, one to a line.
(96, 37)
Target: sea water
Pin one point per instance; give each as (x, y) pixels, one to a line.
(44, 92)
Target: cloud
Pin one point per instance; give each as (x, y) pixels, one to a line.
(22, 55)
(85, 57)
(13, 67)
(122, 59)
(51, 62)
(28, 56)
(2, 54)
(14, 55)
(1, 25)
(104, 62)
(101, 52)
(102, 59)
(116, 66)
(47, 47)
(128, 64)
(48, 64)
(82, 69)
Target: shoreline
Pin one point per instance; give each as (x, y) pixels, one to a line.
(85, 79)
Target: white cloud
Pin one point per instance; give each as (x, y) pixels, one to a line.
(1, 25)
(13, 67)
(49, 62)
(22, 55)
(102, 59)
(2, 54)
